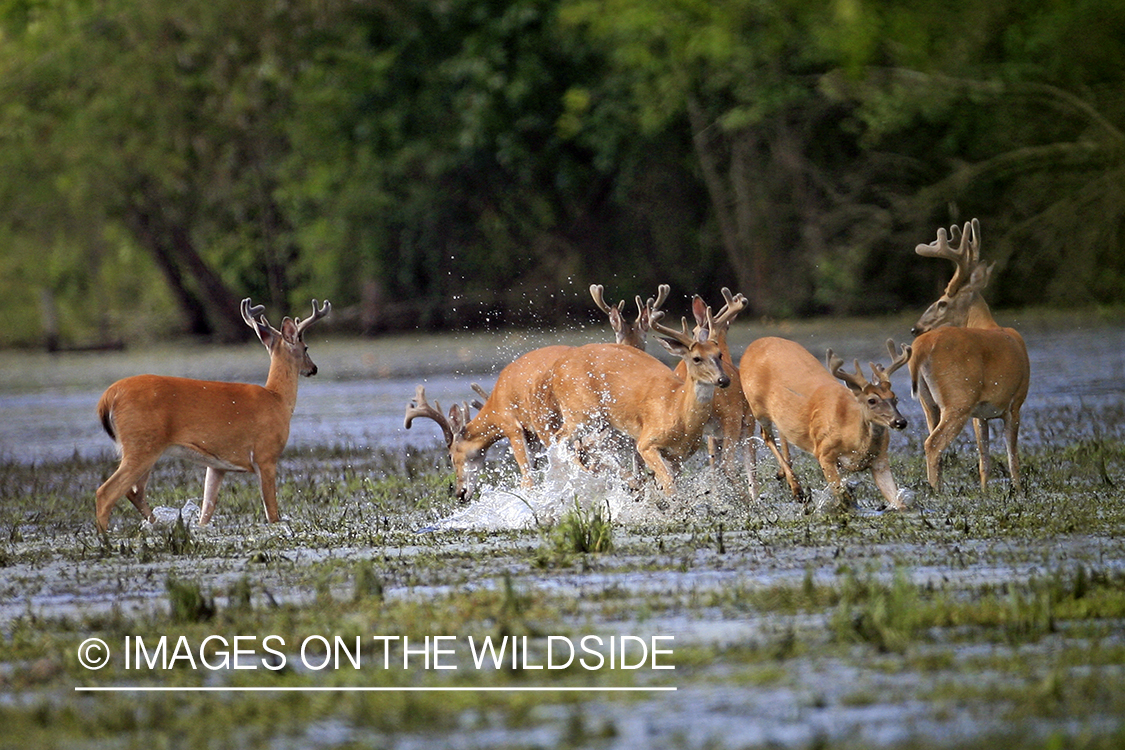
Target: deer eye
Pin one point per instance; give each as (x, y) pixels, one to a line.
(697, 359)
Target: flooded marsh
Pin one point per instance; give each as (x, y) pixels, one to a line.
(972, 620)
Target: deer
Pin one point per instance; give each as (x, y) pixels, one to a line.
(965, 365)
(728, 424)
(630, 334)
(609, 386)
(845, 426)
(517, 409)
(240, 427)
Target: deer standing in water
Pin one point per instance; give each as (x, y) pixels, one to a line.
(965, 365)
(727, 429)
(224, 426)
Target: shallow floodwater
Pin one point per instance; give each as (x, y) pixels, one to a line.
(358, 399)
(752, 676)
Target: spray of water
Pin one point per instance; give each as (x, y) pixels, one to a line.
(562, 484)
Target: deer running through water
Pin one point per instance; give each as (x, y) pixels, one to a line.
(609, 386)
(847, 429)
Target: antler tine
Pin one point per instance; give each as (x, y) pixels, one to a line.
(646, 310)
(855, 381)
(302, 325)
(477, 403)
(419, 407)
(964, 252)
(251, 314)
(597, 291)
(899, 358)
(662, 292)
(682, 337)
(735, 303)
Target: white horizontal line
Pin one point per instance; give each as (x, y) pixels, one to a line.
(321, 689)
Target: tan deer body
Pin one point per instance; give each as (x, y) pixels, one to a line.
(224, 426)
(600, 386)
(847, 428)
(965, 366)
(517, 409)
(728, 428)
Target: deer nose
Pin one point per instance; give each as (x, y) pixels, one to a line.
(899, 424)
(916, 331)
(723, 381)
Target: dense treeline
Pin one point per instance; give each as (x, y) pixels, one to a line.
(472, 161)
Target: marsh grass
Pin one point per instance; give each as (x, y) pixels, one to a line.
(584, 531)
(994, 605)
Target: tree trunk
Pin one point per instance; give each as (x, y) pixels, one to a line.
(733, 206)
(210, 307)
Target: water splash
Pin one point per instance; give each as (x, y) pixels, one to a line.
(561, 485)
(164, 515)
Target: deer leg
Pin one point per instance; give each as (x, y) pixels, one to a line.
(210, 494)
(129, 476)
(947, 429)
(267, 474)
(782, 456)
(831, 469)
(980, 427)
(137, 495)
(714, 450)
(885, 481)
(518, 444)
(1011, 440)
(930, 408)
(750, 459)
(654, 459)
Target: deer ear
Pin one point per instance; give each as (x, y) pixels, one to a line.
(289, 330)
(673, 346)
(699, 310)
(979, 280)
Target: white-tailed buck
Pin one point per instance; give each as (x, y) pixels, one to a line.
(727, 428)
(847, 429)
(630, 334)
(517, 409)
(224, 426)
(965, 365)
(608, 386)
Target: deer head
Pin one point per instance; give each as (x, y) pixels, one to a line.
(875, 398)
(962, 303)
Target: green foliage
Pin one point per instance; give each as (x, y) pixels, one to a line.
(454, 163)
(187, 602)
(869, 611)
(587, 531)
